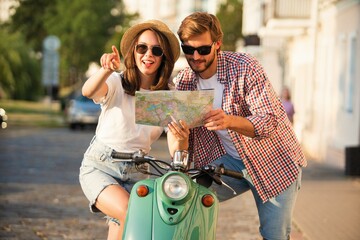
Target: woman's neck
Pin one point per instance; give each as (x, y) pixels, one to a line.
(146, 81)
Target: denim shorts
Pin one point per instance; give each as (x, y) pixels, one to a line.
(99, 170)
(275, 215)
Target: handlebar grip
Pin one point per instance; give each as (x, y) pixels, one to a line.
(122, 155)
(233, 174)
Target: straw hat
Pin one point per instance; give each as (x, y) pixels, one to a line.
(131, 33)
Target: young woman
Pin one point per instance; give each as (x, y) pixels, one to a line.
(150, 50)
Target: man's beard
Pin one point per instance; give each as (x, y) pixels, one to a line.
(207, 65)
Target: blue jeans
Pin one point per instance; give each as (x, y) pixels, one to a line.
(275, 215)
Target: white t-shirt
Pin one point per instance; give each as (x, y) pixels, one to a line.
(213, 83)
(116, 127)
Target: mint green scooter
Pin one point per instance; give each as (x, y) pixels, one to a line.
(175, 205)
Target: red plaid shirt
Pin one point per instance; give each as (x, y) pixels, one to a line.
(272, 157)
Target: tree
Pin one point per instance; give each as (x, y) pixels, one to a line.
(84, 28)
(29, 19)
(19, 69)
(230, 16)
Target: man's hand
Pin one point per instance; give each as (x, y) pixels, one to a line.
(216, 120)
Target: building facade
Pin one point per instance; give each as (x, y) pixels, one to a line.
(313, 47)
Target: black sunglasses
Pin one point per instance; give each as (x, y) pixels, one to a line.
(202, 50)
(143, 48)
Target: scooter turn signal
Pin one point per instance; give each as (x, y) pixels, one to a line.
(207, 200)
(142, 191)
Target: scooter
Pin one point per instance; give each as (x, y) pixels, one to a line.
(176, 203)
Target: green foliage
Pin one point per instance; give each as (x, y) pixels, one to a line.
(29, 19)
(84, 28)
(19, 69)
(230, 16)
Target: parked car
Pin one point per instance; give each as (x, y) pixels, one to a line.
(82, 111)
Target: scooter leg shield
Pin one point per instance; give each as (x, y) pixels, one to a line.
(149, 218)
(199, 223)
(138, 224)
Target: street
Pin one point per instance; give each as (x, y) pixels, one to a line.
(41, 197)
(40, 193)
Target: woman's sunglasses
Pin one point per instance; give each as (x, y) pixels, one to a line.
(202, 50)
(143, 48)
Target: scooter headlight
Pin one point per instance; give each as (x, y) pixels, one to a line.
(175, 187)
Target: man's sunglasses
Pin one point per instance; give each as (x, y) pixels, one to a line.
(202, 50)
(143, 48)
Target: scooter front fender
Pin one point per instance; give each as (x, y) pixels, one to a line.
(145, 219)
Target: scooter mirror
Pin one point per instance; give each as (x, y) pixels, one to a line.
(181, 159)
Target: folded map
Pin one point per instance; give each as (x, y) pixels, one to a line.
(158, 108)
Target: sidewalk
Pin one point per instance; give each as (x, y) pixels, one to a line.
(328, 206)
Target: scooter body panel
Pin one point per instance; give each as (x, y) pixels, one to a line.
(157, 217)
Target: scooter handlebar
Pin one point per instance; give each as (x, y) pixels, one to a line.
(227, 172)
(138, 156)
(121, 155)
(233, 174)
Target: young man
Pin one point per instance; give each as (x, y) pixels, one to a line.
(247, 130)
